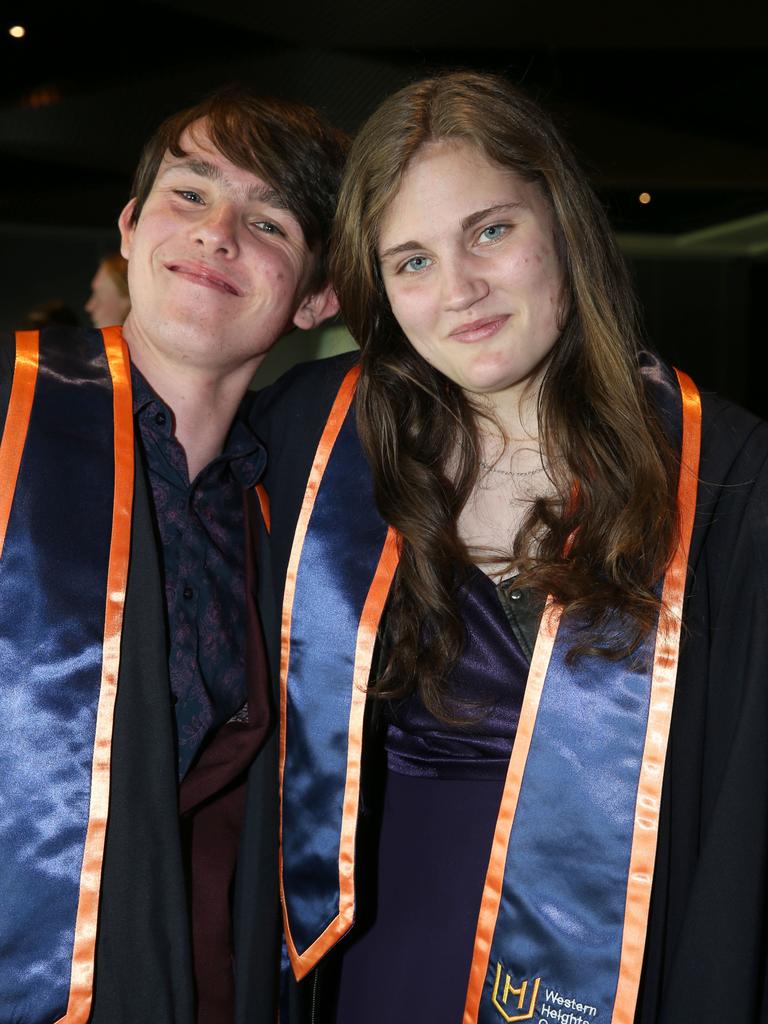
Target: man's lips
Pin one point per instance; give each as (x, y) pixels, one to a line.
(204, 275)
(476, 330)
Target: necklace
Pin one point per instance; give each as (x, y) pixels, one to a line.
(509, 472)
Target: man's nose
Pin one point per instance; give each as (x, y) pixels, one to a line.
(217, 230)
(464, 282)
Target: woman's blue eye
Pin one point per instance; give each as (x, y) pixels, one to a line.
(493, 232)
(416, 263)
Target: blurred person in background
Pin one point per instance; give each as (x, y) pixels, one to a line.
(520, 579)
(109, 301)
(52, 314)
(133, 681)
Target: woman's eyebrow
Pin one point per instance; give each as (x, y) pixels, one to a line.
(395, 250)
(474, 218)
(467, 222)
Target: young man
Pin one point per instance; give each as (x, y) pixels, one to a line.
(125, 477)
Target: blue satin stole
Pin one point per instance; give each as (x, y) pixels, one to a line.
(54, 614)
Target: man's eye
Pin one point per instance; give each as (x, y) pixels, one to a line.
(415, 264)
(268, 227)
(189, 195)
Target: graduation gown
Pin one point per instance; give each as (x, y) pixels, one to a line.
(706, 950)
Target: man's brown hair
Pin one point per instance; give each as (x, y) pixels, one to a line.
(289, 145)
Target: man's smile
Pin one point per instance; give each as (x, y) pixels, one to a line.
(201, 273)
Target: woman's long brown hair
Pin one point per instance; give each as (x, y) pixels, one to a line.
(604, 539)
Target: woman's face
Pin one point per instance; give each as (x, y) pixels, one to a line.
(468, 259)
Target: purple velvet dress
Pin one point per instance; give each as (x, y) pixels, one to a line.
(410, 959)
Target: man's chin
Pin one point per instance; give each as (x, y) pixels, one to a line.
(209, 346)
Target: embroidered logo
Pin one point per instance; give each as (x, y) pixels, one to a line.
(508, 1006)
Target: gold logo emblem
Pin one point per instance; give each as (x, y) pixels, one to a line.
(503, 1004)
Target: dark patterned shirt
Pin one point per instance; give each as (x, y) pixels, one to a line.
(201, 528)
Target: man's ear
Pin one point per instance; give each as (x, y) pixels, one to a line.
(126, 228)
(316, 307)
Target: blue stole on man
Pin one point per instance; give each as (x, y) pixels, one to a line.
(66, 491)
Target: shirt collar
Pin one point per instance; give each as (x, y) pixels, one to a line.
(242, 450)
(142, 392)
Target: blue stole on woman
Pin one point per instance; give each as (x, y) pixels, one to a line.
(66, 494)
(561, 926)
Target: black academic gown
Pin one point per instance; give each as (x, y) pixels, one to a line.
(143, 965)
(707, 943)
(143, 955)
(707, 947)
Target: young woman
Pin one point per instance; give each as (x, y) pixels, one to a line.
(512, 787)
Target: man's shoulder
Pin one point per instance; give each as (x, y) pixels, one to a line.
(56, 337)
(319, 377)
(303, 396)
(288, 417)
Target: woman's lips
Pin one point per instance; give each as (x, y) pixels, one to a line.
(476, 330)
(206, 276)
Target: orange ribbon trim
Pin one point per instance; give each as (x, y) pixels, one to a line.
(17, 421)
(263, 497)
(81, 986)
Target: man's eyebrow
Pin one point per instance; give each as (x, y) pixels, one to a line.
(270, 196)
(205, 169)
(202, 168)
(468, 222)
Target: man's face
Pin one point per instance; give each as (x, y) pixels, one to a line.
(218, 268)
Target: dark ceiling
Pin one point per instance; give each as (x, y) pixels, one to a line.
(668, 99)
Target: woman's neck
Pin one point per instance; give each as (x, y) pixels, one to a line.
(513, 472)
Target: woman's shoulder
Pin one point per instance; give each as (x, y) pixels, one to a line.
(732, 439)
(731, 526)
(728, 431)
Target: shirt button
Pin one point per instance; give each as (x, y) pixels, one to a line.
(515, 595)
(188, 592)
(160, 419)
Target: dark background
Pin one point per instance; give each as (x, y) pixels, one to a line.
(664, 98)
